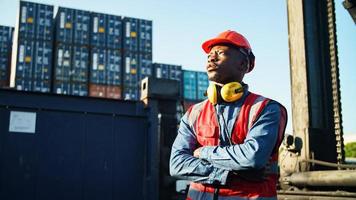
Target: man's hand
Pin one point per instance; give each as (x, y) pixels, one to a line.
(196, 152)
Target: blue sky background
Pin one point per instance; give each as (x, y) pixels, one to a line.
(180, 27)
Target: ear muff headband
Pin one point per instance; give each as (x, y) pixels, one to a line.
(212, 93)
(230, 92)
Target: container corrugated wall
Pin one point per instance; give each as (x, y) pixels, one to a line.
(190, 85)
(130, 76)
(130, 37)
(71, 52)
(5, 54)
(202, 85)
(99, 30)
(35, 21)
(145, 68)
(33, 56)
(167, 71)
(105, 56)
(145, 36)
(114, 32)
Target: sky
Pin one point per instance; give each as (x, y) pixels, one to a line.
(180, 27)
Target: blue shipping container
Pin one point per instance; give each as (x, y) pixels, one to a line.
(81, 26)
(36, 21)
(114, 32)
(27, 25)
(44, 22)
(130, 93)
(130, 63)
(5, 51)
(25, 59)
(98, 66)
(130, 40)
(72, 26)
(175, 72)
(80, 64)
(64, 25)
(145, 39)
(42, 69)
(41, 86)
(6, 33)
(98, 33)
(145, 65)
(113, 67)
(189, 85)
(60, 87)
(160, 70)
(202, 85)
(23, 84)
(4, 65)
(77, 150)
(79, 89)
(62, 63)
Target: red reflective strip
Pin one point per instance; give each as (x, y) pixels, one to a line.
(240, 130)
(281, 128)
(243, 188)
(190, 109)
(257, 114)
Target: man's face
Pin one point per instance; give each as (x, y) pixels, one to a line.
(225, 64)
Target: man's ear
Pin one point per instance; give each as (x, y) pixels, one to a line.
(245, 65)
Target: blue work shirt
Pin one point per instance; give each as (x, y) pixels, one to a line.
(215, 162)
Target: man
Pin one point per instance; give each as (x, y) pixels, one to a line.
(228, 144)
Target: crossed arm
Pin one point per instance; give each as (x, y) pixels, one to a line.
(211, 164)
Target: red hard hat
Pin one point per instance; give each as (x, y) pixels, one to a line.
(230, 37)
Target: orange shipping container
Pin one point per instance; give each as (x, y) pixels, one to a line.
(97, 90)
(4, 84)
(113, 92)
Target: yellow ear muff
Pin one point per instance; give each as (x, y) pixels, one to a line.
(231, 92)
(212, 94)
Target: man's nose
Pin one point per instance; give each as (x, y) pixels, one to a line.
(212, 57)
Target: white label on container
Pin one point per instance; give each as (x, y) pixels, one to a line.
(66, 63)
(61, 23)
(95, 25)
(22, 53)
(95, 61)
(23, 122)
(159, 73)
(127, 65)
(128, 31)
(60, 57)
(24, 13)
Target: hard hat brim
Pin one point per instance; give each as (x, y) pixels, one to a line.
(207, 45)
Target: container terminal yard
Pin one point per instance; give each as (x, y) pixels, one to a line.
(73, 81)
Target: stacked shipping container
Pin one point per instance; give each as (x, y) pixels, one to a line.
(105, 56)
(32, 58)
(202, 85)
(194, 87)
(5, 54)
(168, 71)
(94, 54)
(71, 59)
(137, 55)
(190, 85)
